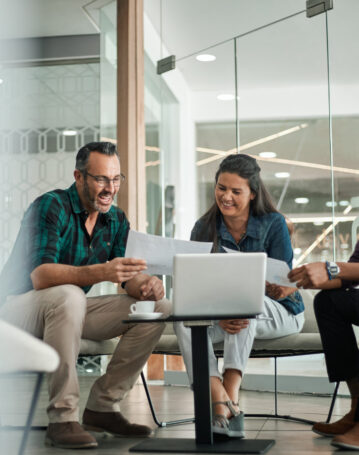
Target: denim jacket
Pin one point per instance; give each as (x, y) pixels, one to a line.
(267, 233)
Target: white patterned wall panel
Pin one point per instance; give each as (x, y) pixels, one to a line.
(37, 105)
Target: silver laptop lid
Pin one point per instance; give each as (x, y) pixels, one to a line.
(225, 285)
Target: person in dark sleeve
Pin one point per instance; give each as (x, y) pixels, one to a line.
(336, 309)
(69, 240)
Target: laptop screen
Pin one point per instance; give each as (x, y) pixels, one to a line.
(226, 285)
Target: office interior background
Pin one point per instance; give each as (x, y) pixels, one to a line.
(253, 76)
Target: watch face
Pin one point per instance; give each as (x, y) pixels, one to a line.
(334, 269)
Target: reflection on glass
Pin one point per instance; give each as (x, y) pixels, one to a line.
(215, 108)
(161, 118)
(344, 106)
(294, 153)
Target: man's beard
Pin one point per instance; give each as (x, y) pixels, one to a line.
(91, 201)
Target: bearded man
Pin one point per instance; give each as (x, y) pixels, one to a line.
(68, 241)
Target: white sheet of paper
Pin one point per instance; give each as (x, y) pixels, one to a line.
(277, 270)
(158, 251)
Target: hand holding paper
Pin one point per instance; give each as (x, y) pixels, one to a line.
(123, 269)
(158, 252)
(277, 271)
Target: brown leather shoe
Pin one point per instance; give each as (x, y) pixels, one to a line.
(349, 440)
(343, 425)
(69, 435)
(114, 423)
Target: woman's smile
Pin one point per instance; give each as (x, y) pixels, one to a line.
(233, 195)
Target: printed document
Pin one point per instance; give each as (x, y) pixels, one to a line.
(158, 251)
(277, 271)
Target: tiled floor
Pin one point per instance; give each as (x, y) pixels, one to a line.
(173, 403)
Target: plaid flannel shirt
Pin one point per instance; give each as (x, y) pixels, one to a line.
(53, 231)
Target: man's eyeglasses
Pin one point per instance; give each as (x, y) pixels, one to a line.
(103, 181)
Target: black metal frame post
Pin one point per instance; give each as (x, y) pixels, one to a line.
(153, 412)
(34, 399)
(275, 387)
(276, 415)
(201, 385)
(333, 402)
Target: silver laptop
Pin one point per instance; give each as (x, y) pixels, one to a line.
(220, 285)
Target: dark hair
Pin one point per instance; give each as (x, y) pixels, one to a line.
(83, 155)
(246, 167)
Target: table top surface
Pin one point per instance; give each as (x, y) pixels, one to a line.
(204, 318)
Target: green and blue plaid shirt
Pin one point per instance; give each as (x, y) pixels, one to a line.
(53, 231)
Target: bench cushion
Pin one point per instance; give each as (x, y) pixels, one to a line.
(306, 342)
(91, 347)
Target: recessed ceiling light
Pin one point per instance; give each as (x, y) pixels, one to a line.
(318, 223)
(1, 81)
(343, 203)
(206, 58)
(226, 97)
(69, 133)
(267, 154)
(301, 200)
(331, 204)
(297, 250)
(282, 175)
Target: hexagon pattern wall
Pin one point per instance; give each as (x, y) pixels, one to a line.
(39, 104)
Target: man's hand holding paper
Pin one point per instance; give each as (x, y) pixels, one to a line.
(158, 252)
(119, 270)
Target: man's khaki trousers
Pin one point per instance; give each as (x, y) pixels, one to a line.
(61, 316)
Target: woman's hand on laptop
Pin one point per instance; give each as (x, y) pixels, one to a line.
(233, 326)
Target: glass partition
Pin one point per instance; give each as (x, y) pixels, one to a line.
(214, 113)
(284, 123)
(265, 92)
(344, 89)
(108, 71)
(161, 123)
(277, 110)
(107, 100)
(253, 94)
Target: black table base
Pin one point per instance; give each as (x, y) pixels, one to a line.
(177, 445)
(204, 441)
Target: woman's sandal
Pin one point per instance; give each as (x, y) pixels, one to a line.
(232, 427)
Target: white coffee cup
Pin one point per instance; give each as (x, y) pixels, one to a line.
(143, 306)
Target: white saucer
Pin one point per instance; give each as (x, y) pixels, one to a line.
(145, 315)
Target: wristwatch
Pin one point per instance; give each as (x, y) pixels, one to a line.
(333, 269)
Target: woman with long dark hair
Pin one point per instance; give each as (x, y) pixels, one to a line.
(243, 218)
